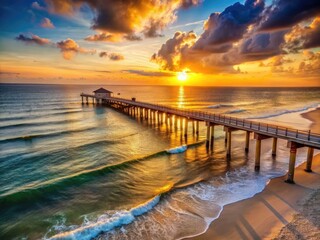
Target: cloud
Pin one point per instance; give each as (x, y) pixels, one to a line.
(126, 17)
(102, 37)
(112, 56)
(69, 48)
(276, 61)
(33, 39)
(239, 34)
(222, 29)
(170, 55)
(260, 46)
(36, 5)
(46, 23)
(103, 54)
(9, 73)
(304, 37)
(108, 37)
(283, 14)
(115, 57)
(132, 37)
(150, 73)
(311, 64)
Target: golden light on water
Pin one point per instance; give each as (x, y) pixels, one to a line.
(181, 100)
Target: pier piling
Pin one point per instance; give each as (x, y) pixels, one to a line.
(274, 147)
(247, 141)
(229, 140)
(309, 160)
(257, 156)
(212, 136)
(208, 135)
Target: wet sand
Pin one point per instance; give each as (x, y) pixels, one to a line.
(280, 211)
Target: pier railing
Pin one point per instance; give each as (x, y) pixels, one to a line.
(300, 136)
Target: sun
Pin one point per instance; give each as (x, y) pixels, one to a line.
(182, 76)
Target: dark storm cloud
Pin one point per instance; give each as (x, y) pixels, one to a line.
(262, 46)
(286, 13)
(222, 29)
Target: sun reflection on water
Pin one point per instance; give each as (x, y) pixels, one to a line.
(181, 97)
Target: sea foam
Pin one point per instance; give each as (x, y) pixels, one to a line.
(107, 223)
(179, 149)
(275, 114)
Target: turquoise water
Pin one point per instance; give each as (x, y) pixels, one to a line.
(77, 170)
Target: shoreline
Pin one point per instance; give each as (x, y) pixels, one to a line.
(313, 116)
(265, 214)
(271, 213)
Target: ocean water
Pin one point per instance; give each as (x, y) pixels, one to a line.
(72, 171)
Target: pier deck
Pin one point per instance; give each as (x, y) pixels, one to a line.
(296, 138)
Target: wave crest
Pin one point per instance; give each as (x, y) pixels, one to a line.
(107, 223)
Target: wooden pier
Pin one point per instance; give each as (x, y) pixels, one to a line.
(160, 113)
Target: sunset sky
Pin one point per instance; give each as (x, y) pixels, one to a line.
(218, 43)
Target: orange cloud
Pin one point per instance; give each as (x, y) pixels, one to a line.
(46, 23)
(103, 37)
(304, 37)
(69, 48)
(129, 18)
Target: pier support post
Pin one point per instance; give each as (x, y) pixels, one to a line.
(258, 154)
(258, 137)
(247, 141)
(292, 162)
(175, 122)
(274, 146)
(193, 127)
(228, 132)
(226, 138)
(212, 136)
(87, 100)
(169, 120)
(82, 99)
(141, 113)
(309, 160)
(186, 127)
(197, 128)
(208, 135)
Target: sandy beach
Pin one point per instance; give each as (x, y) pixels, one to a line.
(280, 211)
(313, 116)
